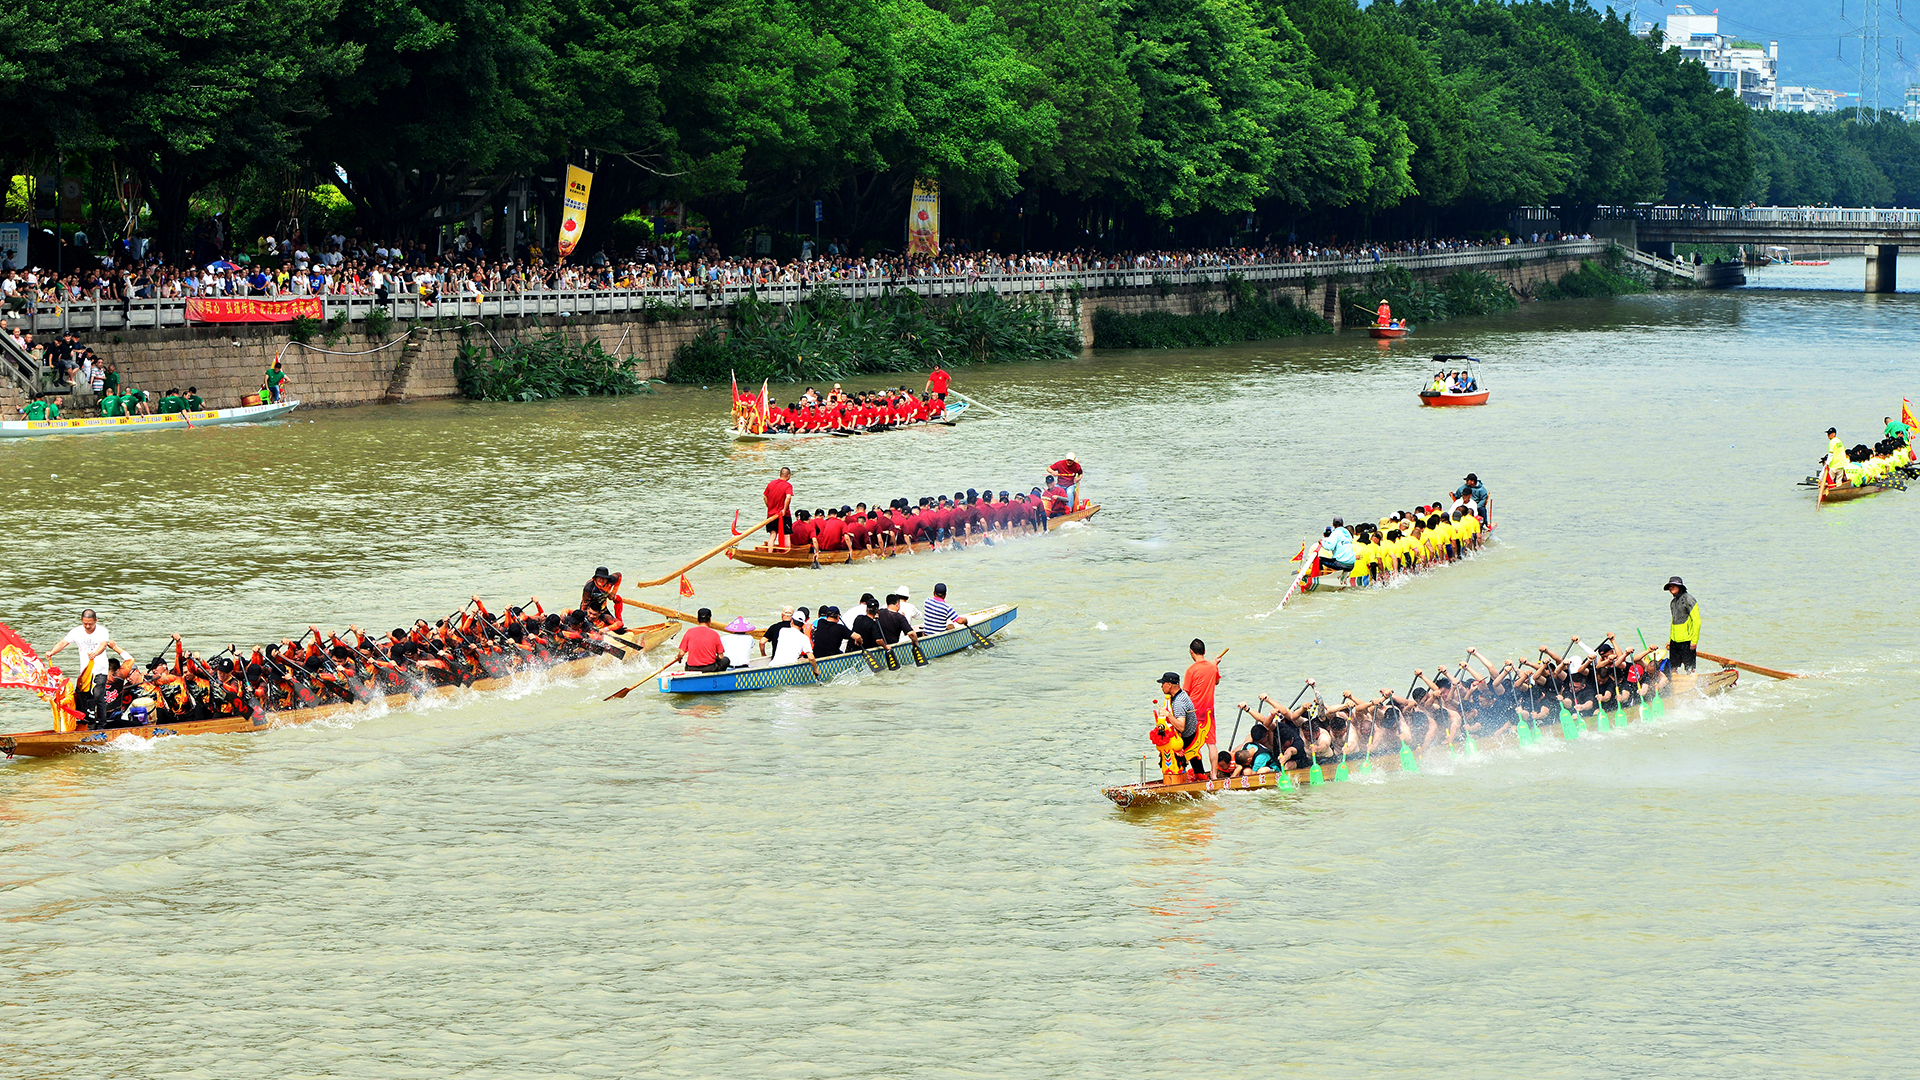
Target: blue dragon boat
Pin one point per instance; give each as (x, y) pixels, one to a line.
(760, 675)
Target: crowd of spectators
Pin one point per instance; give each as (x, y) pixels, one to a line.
(340, 265)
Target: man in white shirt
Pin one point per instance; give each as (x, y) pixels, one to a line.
(91, 640)
(906, 607)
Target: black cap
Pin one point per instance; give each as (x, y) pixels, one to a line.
(1472, 478)
(1170, 677)
(1833, 431)
(1672, 581)
(600, 571)
(704, 614)
(940, 589)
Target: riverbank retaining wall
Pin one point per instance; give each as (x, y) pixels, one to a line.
(415, 361)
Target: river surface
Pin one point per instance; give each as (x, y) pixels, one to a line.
(915, 873)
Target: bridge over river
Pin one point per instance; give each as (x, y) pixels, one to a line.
(1879, 232)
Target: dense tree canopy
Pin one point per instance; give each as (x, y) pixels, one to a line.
(1111, 122)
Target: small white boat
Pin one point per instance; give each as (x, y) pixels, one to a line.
(100, 425)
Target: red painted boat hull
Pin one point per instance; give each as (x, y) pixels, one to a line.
(1444, 401)
(1388, 331)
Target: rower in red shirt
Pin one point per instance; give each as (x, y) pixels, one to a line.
(779, 496)
(829, 533)
(701, 646)
(858, 531)
(937, 383)
(803, 530)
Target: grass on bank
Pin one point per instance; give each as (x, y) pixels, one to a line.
(1250, 315)
(549, 366)
(827, 337)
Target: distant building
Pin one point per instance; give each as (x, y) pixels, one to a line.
(1740, 66)
(1807, 99)
(1912, 108)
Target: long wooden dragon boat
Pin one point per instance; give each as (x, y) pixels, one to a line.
(102, 425)
(1686, 685)
(50, 743)
(954, 409)
(760, 675)
(767, 555)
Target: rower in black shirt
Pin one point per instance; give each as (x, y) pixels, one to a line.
(830, 635)
(866, 627)
(894, 624)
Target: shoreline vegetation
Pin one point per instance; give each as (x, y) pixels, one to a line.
(827, 337)
(548, 366)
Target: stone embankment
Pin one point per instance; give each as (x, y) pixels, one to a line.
(414, 359)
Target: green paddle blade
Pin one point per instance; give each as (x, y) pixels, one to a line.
(1408, 763)
(1285, 783)
(1603, 720)
(1471, 749)
(1341, 772)
(1315, 777)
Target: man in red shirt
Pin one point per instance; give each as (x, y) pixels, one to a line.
(1067, 470)
(701, 647)
(829, 532)
(937, 383)
(858, 530)
(803, 529)
(1202, 676)
(779, 496)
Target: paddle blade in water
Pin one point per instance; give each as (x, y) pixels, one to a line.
(1408, 763)
(1285, 782)
(1468, 735)
(1315, 777)
(1341, 772)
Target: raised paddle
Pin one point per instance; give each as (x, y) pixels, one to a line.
(625, 690)
(731, 543)
(1771, 673)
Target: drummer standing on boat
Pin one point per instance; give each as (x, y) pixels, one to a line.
(1836, 456)
(779, 497)
(1684, 635)
(1385, 313)
(1186, 722)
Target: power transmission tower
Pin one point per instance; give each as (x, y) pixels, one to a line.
(1870, 62)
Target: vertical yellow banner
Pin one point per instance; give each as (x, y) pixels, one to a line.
(923, 218)
(573, 217)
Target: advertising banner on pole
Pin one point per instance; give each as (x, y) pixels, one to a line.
(573, 217)
(923, 218)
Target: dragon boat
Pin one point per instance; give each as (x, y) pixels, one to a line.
(103, 425)
(952, 416)
(51, 742)
(761, 675)
(1336, 768)
(768, 555)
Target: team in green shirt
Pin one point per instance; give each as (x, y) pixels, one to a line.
(38, 408)
(129, 402)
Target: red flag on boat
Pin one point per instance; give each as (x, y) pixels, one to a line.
(1301, 554)
(686, 587)
(22, 668)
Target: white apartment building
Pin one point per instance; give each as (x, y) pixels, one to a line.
(1808, 99)
(1746, 69)
(1911, 109)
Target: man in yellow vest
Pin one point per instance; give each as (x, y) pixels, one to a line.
(1836, 458)
(1684, 635)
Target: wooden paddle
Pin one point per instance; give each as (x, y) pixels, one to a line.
(1771, 673)
(625, 690)
(750, 533)
(1822, 497)
(674, 614)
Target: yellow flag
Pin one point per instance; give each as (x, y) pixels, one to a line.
(1906, 415)
(923, 218)
(574, 205)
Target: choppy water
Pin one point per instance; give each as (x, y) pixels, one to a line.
(914, 873)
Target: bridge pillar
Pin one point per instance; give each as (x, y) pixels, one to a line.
(1883, 265)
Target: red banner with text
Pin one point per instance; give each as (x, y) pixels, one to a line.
(237, 309)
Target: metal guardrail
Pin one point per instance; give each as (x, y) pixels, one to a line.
(21, 369)
(1762, 215)
(153, 314)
